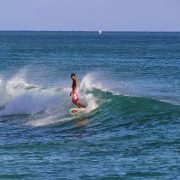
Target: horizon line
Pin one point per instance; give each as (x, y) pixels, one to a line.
(145, 31)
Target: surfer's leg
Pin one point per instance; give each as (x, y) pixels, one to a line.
(81, 105)
(76, 103)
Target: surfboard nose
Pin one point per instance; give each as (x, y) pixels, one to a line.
(74, 111)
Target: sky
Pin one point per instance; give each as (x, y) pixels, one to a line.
(90, 15)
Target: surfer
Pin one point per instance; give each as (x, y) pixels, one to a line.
(74, 92)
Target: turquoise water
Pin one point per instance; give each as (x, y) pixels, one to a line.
(130, 83)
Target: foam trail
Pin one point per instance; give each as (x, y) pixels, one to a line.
(47, 121)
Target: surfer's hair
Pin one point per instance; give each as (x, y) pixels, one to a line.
(73, 75)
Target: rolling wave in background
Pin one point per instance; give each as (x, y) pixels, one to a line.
(51, 105)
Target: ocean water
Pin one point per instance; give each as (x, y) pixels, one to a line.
(130, 83)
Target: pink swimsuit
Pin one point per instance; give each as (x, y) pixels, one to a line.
(75, 96)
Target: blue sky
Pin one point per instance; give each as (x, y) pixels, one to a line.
(88, 15)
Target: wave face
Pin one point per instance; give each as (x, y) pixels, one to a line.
(21, 98)
(131, 125)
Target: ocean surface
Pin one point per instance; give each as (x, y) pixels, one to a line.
(130, 83)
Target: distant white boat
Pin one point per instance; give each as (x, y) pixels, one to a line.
(100, 32)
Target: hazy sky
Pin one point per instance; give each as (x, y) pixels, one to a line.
(114, 15)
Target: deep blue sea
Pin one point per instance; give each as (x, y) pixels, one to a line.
(130, 82)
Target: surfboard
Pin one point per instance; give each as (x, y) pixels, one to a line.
(76, 111)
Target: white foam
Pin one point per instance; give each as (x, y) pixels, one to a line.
(21, 97)
(3, 94)
(92, 104)
(29, 103)
(90, 82)
(46, 121)
(18, 84)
